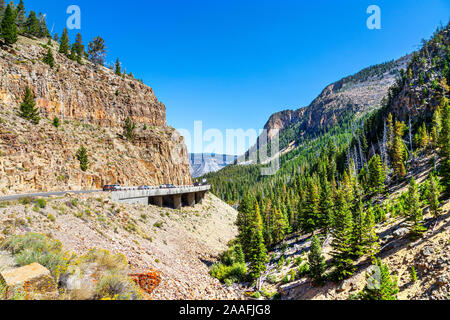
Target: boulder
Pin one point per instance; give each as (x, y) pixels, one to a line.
(34, 281)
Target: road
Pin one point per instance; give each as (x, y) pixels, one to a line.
(44, 195)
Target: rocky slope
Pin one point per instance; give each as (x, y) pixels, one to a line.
(172, 242)
(92, 105)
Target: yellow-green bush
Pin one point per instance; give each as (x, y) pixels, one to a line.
(117, 286)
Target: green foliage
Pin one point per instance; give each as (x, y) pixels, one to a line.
(128, 129)
(444, 152)
(41, 203)
(82, 156)
(414, 211)
(341, 244)
(97, 51)
(236, 272)
(49, 59)
(64, 43)
(56, 122)
(33, 247)
(380, 284)
(376, 175)
(413, 274)
(117, 286)
(316, 261)
(32, 25)
(118, 69)
(8, 26)
(27, 108)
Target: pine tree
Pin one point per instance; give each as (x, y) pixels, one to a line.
(398, 151)
(380, 284)
(21, 18)
(390, 132)
(64, 43)
(97, 51)
(358, 231)
(128, 129)
(49, 59)
(376, 175)
(414, 212)
(32, 24)
(370, 239)
(325, 205)
(257, 249)
(82, 156)
(444, 151)
(310, 210)
(423, 137)
(279, 226)
(27, 108)
(433, 195)
(341, 244)
(8, 26)
(244, 222)
(437, 123)
(43, 30)
(316, 261)
(118, 69)
(79, 48)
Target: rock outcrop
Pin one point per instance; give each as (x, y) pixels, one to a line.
(92, 104)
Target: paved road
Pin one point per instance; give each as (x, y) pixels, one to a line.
(44, 194)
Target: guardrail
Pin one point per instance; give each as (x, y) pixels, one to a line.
(155, 188)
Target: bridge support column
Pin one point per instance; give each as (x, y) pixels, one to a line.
(156, 201)
(190, 199)
(177, 201)
(199, 197)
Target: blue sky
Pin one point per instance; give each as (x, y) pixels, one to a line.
(233, 63)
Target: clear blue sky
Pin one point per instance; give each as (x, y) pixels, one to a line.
(232, 63)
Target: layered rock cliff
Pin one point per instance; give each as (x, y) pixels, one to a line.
(92, 104)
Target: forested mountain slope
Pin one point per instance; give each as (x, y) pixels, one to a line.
(342, 188)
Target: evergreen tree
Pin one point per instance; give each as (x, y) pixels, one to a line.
(380, 284)
(64, 43)
(49, 59)
(325, 205)
(433, 195)
(376, 175)
(358, 231)
(32, 24)
(244, 222)
(422, 139)
(21, 18)
(341, 244)
(8, 26)
(97, 51)
(279, 226)
(257, 249)
(398, 151)
(43, 30)
(128, 129)
(79, 48)
(27, 108)
(310, 208)
(444, 151)
(370, 239)
(437, 123)
(82, 156)
(118, 69)
(316, 261)
(414, 212)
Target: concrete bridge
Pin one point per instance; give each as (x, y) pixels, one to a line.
(171, 197)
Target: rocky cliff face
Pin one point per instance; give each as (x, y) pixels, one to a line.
(92, 105)
(73, 91)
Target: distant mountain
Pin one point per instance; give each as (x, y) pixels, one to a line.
(202, 164)
(357, 95)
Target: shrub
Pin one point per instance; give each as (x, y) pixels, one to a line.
(105, 260)
(34, 247)
(234, 273)
(41, 203)
(117, 286)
